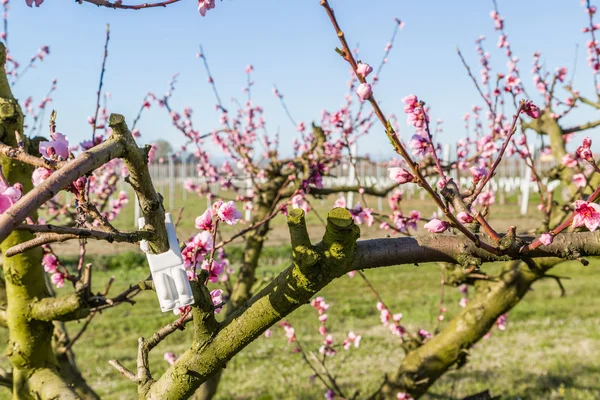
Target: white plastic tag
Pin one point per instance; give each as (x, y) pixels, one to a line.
(170, 278)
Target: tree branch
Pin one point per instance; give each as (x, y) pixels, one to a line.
(424, 365)
(583, 127)
(54, 233)
(69, 308)
(136, 160)
(18, 153)
(373, 191)
(120, 5)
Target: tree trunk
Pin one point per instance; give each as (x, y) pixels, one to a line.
(35, 366)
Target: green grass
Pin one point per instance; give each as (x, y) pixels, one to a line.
(549, 351)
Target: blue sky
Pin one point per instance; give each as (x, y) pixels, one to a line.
(290, 43)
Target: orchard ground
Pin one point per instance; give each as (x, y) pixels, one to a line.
(550, 349)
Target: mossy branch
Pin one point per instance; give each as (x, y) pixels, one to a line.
(68, 308)
(151, 202)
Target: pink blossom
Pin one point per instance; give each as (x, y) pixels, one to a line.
(327, 348)
(268, 333)
(501, 322)
(464, 217)
(487, 198)
(299, 202)
(340, 202)
(58, 279)
(79, 183)
(196, 248)
(478, 173)
(579, 180)
(353, 339)
(400, 175)
(229, 214)
(31, 2)
(531, 109)
(424, 334)
(59, 146)
(411, 102)
(364, 91)
(205, 5)
(568, 161)
(50, 263)
(9, 195)
(419, 145)
(587, 214)
(436, 226)
(546, 238)
(403, 396)
(290, 333)
(362, 215)
(584, 151)
(39, 175)
(205, 222)
(217, 299)
(170, 358)
(512, 81)
(319, 304)
(417, 117)
(363, 70)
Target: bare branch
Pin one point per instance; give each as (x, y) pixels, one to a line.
(54, 233)
(124, 371)
(18, 153)
(120, 5)
(373, 191)
(582, 127)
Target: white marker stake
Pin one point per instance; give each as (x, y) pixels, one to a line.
(525, 186)
(168, 273)
(352, 176)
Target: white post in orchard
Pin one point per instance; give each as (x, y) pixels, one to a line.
(183, 172)
(352, 174)
(379, 198)
(525, 186)
(171, 182)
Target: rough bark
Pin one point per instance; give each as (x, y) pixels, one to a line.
(29, 348)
